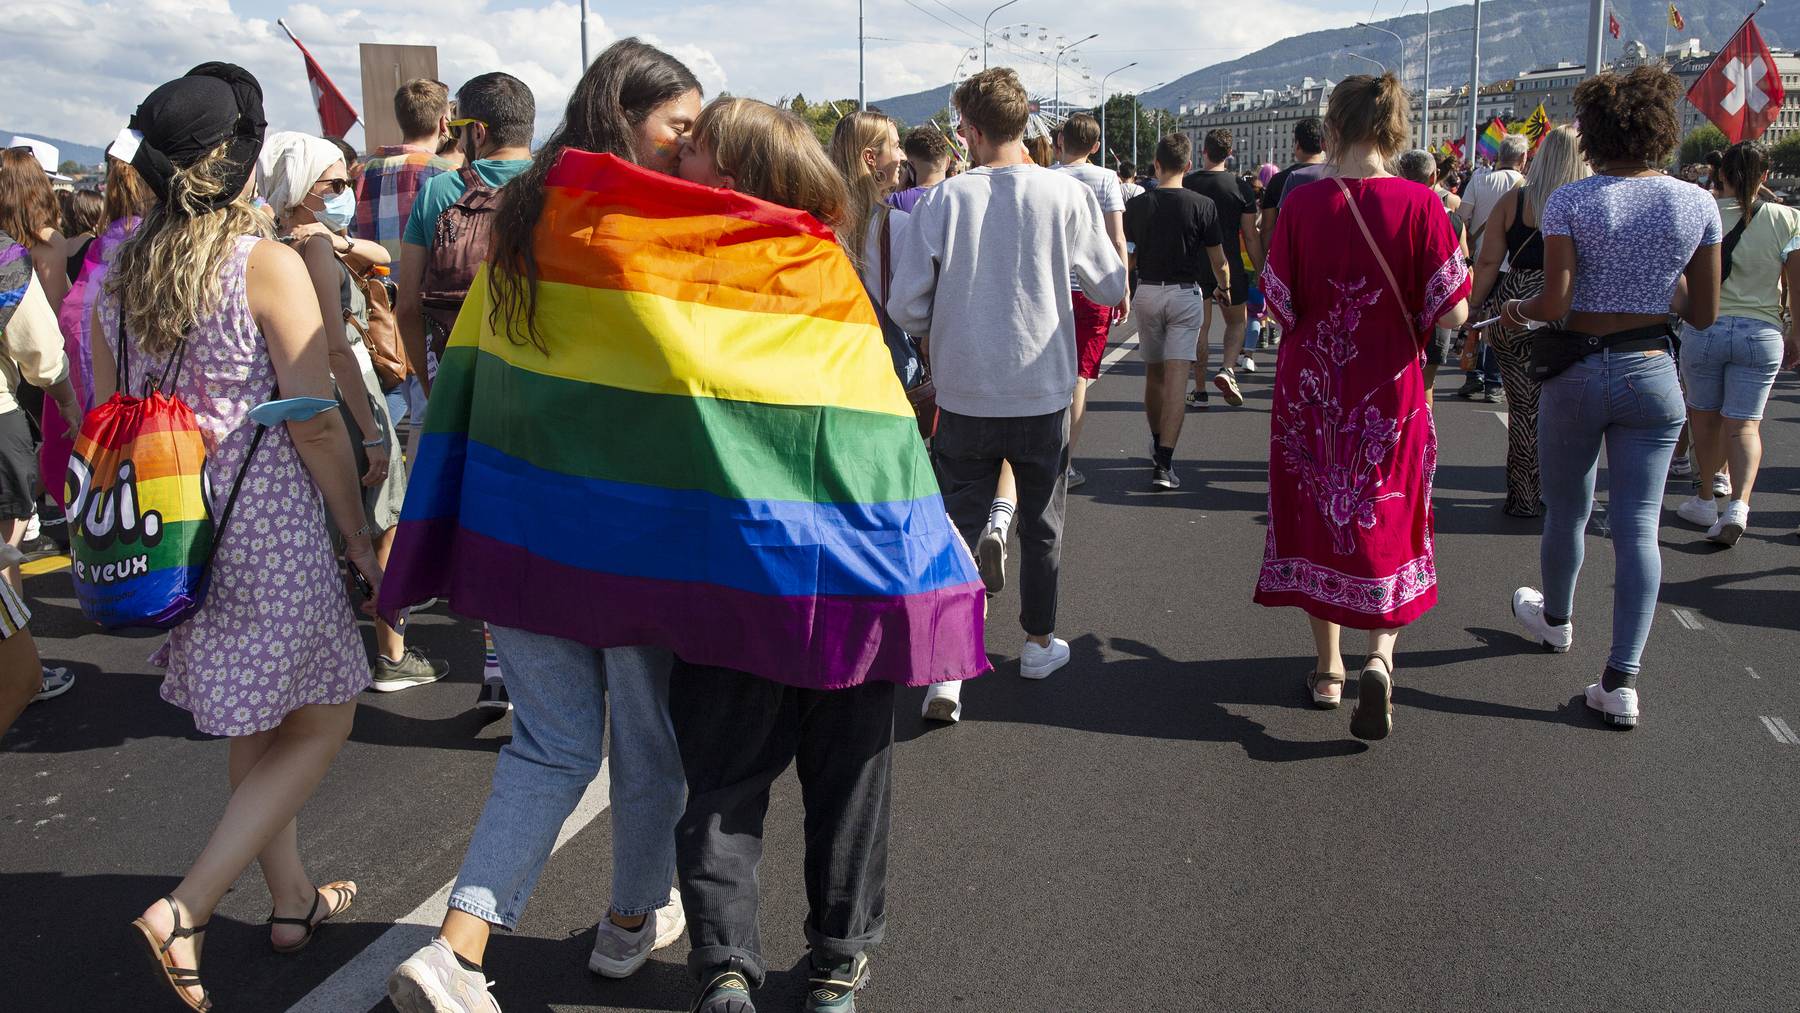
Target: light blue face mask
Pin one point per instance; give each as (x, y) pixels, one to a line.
(340, 211)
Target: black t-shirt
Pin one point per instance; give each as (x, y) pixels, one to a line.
(1171, 229)
(1233, 198)
(1271, 195)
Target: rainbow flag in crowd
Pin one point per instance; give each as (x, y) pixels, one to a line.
(713, 455)
(1487, 145)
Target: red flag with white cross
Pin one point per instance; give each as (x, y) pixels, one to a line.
(1741, 92)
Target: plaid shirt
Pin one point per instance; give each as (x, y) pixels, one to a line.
(390, 182)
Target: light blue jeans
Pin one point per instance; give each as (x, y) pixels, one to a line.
(1630, 403)
(560, 690)
(1730, 366)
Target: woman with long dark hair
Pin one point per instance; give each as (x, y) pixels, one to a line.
(635, 102)
(1621, 249)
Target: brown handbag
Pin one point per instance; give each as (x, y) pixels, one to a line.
(923, 393)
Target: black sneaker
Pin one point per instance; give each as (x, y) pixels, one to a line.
(41, 547)
(493, 697)
(413, 669)
(1197, 399)
(1165, 478)
(833, 989)
(724, 992)
(1471, 387)
(1493, 395)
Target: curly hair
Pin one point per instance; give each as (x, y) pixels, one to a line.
(1629, 117)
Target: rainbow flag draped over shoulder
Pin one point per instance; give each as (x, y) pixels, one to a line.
(1488, 144)
(712, 456)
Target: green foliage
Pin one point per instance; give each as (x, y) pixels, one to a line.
(69, 167)
(1700, 141)
(1785, 156)
(821, 116)
(1119, 109)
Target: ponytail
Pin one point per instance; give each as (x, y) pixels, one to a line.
(1365, 109)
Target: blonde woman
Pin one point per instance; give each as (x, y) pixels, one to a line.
(272, 660)
(1514, 239)
(865, 147)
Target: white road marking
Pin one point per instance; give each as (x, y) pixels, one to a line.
(1779, 728)
(1752, 672)
(1686, 618)
(1112, 358)
(1504, 417)
(362, 983)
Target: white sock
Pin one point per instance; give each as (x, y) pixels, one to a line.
(1000, 515)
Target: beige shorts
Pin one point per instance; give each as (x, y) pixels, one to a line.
(1169, 319)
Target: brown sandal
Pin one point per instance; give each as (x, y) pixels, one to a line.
(1324, 699)
(1373, 718)
(180, 979)
(343, 889)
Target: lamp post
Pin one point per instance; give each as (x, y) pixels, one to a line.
(1397, 39)
(1103, 78)
(1596, 54)
(1056, 103)
(1135, 164)
(584, 36)
(862, 100)
(1425, 86)
(1365, 59)
(1474, 87)
(984, 29)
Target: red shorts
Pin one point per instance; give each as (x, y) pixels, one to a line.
(1092, 321)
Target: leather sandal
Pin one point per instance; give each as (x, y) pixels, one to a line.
(343, 889)
(180, 979)
(1373, 718)
(1326, 689)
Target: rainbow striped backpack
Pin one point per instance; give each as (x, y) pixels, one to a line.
(141, 527)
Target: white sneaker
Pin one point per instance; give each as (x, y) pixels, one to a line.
(1701, 512)
(1528, 609)
(1620, 707)
(1731, 524)
(1076, 479)
(943, 702)
(1038, 662)
(1247, 364)
(619, 952)
(1721, 484)
(1681, 467)
(432, 981)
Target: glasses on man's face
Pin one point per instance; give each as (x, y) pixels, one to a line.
(335, 186)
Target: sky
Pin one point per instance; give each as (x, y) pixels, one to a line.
(76, 68)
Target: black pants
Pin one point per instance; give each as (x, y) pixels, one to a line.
(738, 733)
(967, 452)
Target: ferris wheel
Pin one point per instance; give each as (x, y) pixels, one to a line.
(1057, 88)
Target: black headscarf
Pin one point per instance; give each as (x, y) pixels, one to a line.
(185, 119)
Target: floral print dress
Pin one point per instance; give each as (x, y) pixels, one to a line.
(276, 632)
(1352, 449)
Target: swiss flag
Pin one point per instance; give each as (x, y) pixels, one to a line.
(1741, 92)
(1612, 24)
(336, 114)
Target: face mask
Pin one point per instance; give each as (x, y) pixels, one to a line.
(340, 210)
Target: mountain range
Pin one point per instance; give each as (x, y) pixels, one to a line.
(1516, 35)
(84, 154)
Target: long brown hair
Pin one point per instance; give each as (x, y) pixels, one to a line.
(619, 90)
(857, 133)
(27, 203)
(1369, 110)
(127, 195)
(772, 154)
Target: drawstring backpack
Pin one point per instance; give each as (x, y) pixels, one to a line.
(141, 528)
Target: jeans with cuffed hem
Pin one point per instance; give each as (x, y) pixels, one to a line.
(738, 733)
(1731, 366)
(1630, 403)
(560, 691)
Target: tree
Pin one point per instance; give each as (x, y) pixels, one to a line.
(1785, 156)
(1119, 110)
(821, 116)
(1699, 141)
(69, 167)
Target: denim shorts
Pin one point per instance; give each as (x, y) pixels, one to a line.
(1729, 367)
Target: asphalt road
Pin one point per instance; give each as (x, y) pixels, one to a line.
(1165, 824)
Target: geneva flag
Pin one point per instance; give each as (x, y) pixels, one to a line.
(1741, 92)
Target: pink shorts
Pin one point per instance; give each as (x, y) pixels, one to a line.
(1092, 322)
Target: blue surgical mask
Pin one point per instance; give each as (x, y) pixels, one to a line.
(340, 211)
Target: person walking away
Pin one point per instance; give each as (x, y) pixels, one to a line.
(1511, 266)
(1174, 233)
(1446, 178)
(33, 349)
(1361, 267)
(1076, 142)
(636, 102)
(1128, 184)
(1001, 336)
(928, 153)
(1487, 190)
(201, 295)
(1618, 246)
(29, 214)
(1236, 202)
(1308, 165)
(1730, 367)
(387, 189)
(1418, 166)
(303, 179)
(496, 116)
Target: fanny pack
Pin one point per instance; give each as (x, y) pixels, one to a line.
(1556, 349)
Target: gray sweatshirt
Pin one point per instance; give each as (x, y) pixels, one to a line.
(984, 270)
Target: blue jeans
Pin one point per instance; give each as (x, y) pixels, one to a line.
(1631, 403)
(407, 398)
(1487, 367)
(560, 690)
(1730, 366)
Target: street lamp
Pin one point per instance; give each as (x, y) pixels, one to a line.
(862, 100)
(1396, 37)
(1103, 78)
(984, 29)
(1057, 101)
(1358, 56)
(584, 36)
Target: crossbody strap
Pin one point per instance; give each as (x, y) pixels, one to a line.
(1368, 237)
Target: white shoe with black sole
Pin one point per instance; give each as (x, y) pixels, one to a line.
(1528, 609)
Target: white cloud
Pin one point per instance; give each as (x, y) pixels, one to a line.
(76, 68)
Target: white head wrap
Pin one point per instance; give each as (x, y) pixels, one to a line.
(290, 163)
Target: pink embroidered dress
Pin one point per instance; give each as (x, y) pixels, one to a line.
(1352, 449)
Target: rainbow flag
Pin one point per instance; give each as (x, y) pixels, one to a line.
(713, 455)
(1488, 144)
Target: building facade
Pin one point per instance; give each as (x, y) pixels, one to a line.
(1262, 123)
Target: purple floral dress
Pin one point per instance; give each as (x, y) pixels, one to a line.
(276, 632)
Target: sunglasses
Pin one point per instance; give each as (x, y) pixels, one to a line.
(336, 186)
(458, 124)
